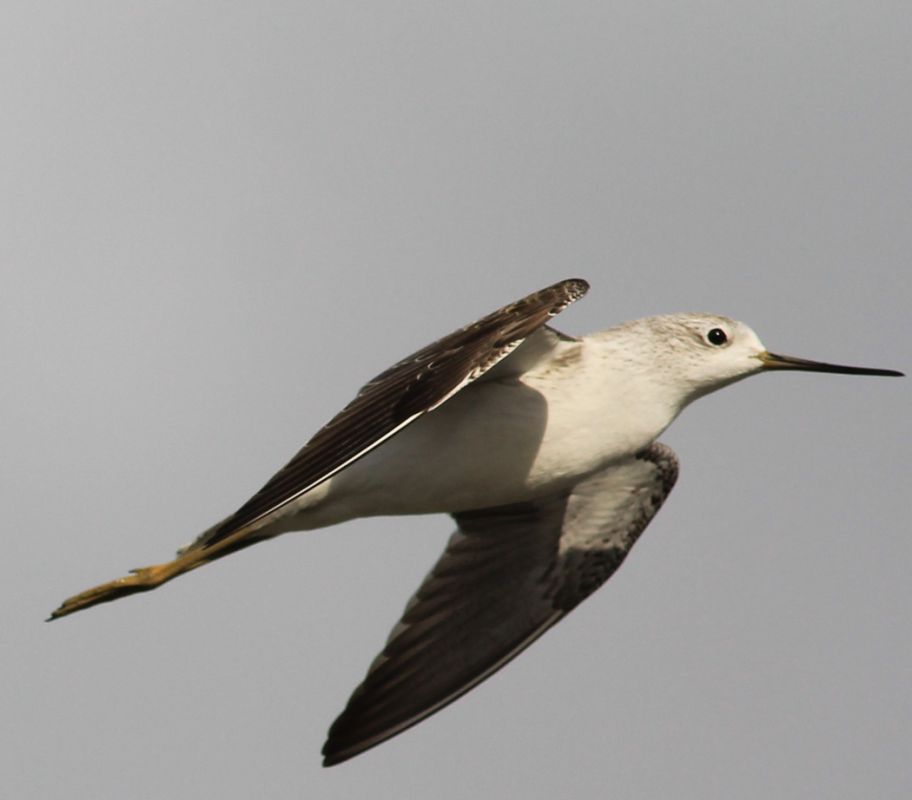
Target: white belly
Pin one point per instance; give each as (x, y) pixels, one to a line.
(494, 443)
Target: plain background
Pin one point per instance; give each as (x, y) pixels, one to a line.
(219, 219)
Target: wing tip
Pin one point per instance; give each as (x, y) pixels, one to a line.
(330, 759)
(579, 284)
(574, 288)
(341, 746)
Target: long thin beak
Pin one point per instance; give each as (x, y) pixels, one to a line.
(774, 361)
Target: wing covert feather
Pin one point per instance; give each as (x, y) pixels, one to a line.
(399, 395)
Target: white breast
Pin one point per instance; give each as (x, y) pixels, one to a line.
(496, 442)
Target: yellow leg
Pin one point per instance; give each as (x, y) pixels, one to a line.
(145, 579)
(139, 580)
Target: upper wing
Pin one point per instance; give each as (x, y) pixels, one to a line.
(507, 575)
(400, 395)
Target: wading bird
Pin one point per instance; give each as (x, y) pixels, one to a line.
(542, 447)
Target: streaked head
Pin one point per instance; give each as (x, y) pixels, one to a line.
(708, 352)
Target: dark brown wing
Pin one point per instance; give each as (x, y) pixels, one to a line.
(400, 395)
(507, 575)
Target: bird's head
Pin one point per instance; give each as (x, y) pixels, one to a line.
(704, 352)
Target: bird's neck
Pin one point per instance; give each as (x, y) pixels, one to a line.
(637, 392)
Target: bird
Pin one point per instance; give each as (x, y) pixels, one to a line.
(544, 449)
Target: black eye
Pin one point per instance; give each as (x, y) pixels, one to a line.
(717, 337)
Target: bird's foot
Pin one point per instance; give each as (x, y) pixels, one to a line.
(139, 580)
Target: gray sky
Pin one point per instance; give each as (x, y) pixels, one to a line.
(221, 218)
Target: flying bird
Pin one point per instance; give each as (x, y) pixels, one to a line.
(542, 447)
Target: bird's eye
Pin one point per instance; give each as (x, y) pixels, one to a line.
(717, 337)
